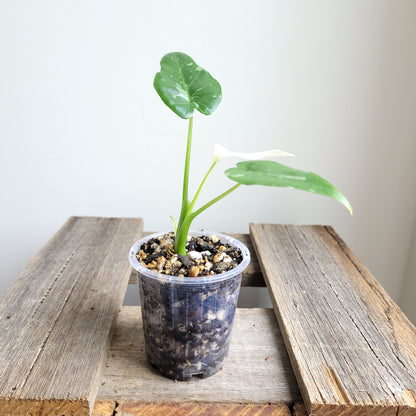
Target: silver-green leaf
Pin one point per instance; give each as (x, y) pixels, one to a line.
(184, 86)
(269, 173)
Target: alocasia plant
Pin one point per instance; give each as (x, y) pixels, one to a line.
(184, 87)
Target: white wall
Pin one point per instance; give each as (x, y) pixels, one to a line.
(407, 298)
(82, 131)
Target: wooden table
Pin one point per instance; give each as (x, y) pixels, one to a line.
(335, 343)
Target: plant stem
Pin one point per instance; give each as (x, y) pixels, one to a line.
(187, 216)
(182, 232)
(216, 199)
(185, 200)
(191, 206)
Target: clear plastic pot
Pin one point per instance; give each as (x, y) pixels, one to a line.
(188, 321)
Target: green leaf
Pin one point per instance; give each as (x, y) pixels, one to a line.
(269, 173)
(184, 86)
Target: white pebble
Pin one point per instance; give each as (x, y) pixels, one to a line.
(214, 238)
(211, 316)
(195, 255)
(227, 259)
(218, 257)
(208, 265)
(221, 314)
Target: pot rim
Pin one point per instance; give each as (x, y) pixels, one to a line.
(161, 277)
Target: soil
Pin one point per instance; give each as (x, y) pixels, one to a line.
(206, 255)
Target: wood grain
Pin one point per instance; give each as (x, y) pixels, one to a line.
(252, 276)
(299, 409)
(257, 370)
(199, 409)
(352, 349)
(56, 319)
(104, 408)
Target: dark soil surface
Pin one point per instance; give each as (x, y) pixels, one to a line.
(206, 255)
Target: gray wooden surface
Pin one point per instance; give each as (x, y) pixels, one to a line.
(352, 349)
(56, 318)
(257, 370)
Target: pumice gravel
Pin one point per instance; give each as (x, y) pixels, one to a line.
(205, 256)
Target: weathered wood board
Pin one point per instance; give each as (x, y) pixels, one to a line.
(56, 318)
(189, 409)
(352, 349)
(257, 371)
(252, 274)
(299, 409)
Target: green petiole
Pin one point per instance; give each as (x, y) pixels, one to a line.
(187, 215)
(200, 186)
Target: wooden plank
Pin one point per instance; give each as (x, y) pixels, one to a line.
(104, 408)
(200, 409)
(352, 349)
(56, 319)
(252, 276)
(257, 370)
(299, 409)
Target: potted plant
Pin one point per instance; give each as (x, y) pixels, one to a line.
(189, 280)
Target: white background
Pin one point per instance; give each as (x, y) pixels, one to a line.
(82, 132)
